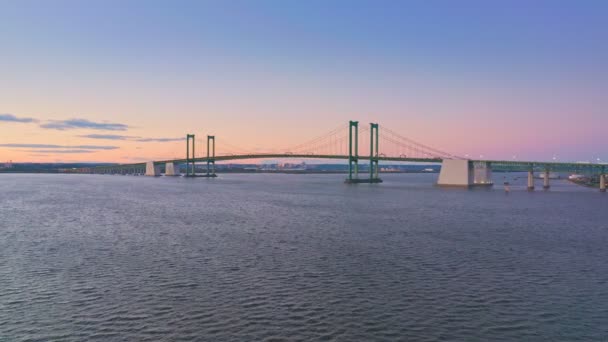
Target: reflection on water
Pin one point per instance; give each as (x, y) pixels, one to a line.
(299, 257)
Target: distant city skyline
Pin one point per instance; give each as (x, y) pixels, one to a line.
(124, 81)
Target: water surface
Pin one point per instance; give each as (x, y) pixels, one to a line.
(299, 258)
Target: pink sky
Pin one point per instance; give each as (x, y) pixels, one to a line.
(497, 82)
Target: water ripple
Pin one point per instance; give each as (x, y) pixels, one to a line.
(298, 258)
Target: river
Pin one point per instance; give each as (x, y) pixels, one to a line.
(261, 257)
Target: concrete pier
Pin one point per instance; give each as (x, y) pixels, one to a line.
(603, 183)
(546, 180)
(170, 170)
(465, 173)
(482, 173)
(530, 180)
(456, 172)
(152, 170)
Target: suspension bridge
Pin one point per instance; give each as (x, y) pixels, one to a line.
(343, 143)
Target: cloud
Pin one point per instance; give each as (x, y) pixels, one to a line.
(63, 125)
(158, 139)
(62, 151)
(30, 146)
(127, 137)
(49, 146)
(12, 118)
(95, 147)
(108, 137)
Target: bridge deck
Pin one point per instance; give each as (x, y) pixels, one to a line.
(496, 164)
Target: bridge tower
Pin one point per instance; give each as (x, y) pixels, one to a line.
(211, 156)
(373, 153)
(190, 159)
(353, 151)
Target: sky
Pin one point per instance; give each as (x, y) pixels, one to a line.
(125, 81)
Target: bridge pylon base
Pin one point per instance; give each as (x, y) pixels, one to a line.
(152, 169)
(362, 180)
(456, 173)
(204, 175)
(170, 170)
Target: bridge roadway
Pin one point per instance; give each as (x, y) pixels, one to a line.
(272, 156)
(507, 165)
(454, 172)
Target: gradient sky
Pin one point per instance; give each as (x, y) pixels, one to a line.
(106, 80)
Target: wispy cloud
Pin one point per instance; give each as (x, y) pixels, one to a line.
(158, 139)
(127, 137)
(63, 125)
(95, 147)
(62, 151)
(51, 147)
(12, 118)
(108, 137)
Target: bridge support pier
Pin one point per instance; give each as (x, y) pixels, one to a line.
(530, 180)
(546, 184)
(465, 173)
(603, 182)
(152, 170)
(170, 170)
(482, 173)
(456, 173)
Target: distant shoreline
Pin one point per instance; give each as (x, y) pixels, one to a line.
(585, 184)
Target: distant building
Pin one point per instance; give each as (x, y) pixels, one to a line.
(292, 166)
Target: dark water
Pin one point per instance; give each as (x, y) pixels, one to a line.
(298, 258)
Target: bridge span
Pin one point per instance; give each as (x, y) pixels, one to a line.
(455, 171)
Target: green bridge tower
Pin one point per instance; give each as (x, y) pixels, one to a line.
(190, 159)
(353, 153)
(373, 153)
(211, 156)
